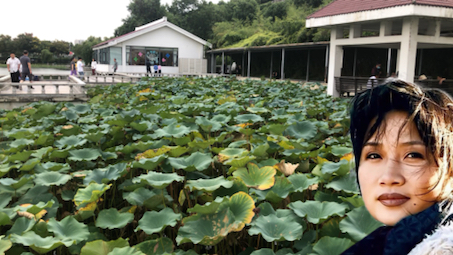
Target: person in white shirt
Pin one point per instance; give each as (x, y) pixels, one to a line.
(13, 65)
(80, 66)
(94, 64)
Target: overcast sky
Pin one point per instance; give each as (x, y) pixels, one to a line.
(63, 19)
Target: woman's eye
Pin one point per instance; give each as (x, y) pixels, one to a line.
(415, 155)
(373, 156)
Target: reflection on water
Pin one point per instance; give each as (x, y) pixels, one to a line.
(38, 71)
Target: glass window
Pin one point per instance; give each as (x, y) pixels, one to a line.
(155, 56)
(104, 56)
(116, 52)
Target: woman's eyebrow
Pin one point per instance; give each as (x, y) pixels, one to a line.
(408, 143)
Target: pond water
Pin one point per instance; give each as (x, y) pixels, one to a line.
(37, 71)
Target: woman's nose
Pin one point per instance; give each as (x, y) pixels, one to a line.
(392, 173)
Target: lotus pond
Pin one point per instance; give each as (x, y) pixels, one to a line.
(181, 166)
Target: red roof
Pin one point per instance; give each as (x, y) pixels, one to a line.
(349, 6)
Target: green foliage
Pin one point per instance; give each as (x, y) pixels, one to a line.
(178, 165)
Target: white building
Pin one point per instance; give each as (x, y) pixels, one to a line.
(406, 26)
(161, 42)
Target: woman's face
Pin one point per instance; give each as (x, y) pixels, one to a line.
(396, 176)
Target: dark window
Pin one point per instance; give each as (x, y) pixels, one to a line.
(156, 56)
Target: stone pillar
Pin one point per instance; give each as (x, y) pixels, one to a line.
(249, 63)
(282, 74)
(335, 63)
(408, 49)
(223, 63)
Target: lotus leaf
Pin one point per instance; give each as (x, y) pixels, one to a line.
(255, 177)
(52, 166)
(143, 126)
(340, 168)
(21, 143)
(239, 162)
(89, 194)
(139, 196)
(346, 183)
(354, 201)
(149, 163)
(174, 130)
(68, 229)
(279, 191)
(196, 161)
(21, 225)
(4, 245)
(37, 243)
(158, 180)
(105, 175)
(208, 208)
(156, 247)
(100, 247)
(221, 118)
(242, 206)
(52, 178)
(80, 108)
(273, 228)
(316, 211)
(5, 220)
(257, 110)
(126, 250)
(305, 130)
(209, 185)
(111, 219)
(332, 245)
(14, 183)
(238, 185)
(246, 118)
(359, 223)
(85, 154)
(206, 229)
(208, 125)
(301, 182)
(70, 142)
(340, 151)
(263, 251)
(231, 153)
(155, 222)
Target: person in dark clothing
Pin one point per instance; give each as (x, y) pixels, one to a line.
(376, 71)
(26, 67)
(402, 141)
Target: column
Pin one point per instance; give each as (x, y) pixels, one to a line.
(307, 74)
(335, 63)
(212, 63)
(272, 63)
(408, 49)
(223, 62)
(249, 60)
(282, 72)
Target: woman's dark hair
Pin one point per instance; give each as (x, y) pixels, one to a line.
(430, 109)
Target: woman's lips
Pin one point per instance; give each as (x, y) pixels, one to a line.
(392, 199)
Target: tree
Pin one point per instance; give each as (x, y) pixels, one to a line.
(59, 47)
(244, 9)
(141, 12)
(6, 46)
(46, 56)
(85, 49)
(27, 42)
(275, 10)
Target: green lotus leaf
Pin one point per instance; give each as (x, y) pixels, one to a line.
(52, 166)
(105, 175)
(232, 153)
(353, 202)
(206, 229)
(5, 220)
(196, 161)
(149, 163)
(44, 110)
(68, 229)
(257, 110)
(209, 207)
(301, 182)
(239, 162)
(70, 115)
(37, 243)
(21, 143)
(80, 108)
(221, 118)
(209, 185)
(70, 142)
(35, 208)
(143, 126)
(208, 125)
(264, 251)
(316, 211)
(30, 164)
(279, 191)
(19, 156)
(246, 118)
(89, 194)
(332, 245)
(139, 196)
(4, 245)
(238, 144)
(156, 247)
(52, 179)
(21, 225)
(158, 180)
(242, 206)
(5, 168)
(273, 228)
(238, 185)
(255, 177)
(16, 184)
(100, 247)
(126, 250)
(174, 130)
(59, 154)
(340, 168)
(340, 151)
(111, 219)
(176, 151)
(94, 137)
(155, 222)
(182, 252)
(85, 154)
(305, 129)
(260, 150)
(359, 223)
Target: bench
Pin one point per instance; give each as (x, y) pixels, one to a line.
(349, 86)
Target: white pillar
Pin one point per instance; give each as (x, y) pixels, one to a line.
(408, 49)
(223, 63)
(335, 63)
(249, 63)
(282, 74)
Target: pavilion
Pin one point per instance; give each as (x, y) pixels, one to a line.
(402, 28)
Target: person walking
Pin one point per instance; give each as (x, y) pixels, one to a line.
(26, 67)
(148, 65)
(80, 66)
(13, 65)
(115, 65)
(94, 64)
(73, 67)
